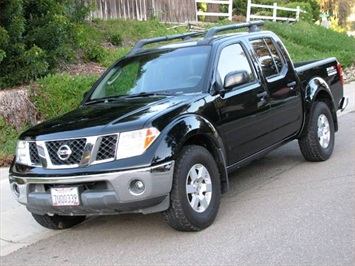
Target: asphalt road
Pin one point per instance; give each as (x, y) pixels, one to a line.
(280, 210)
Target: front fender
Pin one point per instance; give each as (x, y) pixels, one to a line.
(317, 89)
(192, 129)
(181, 131)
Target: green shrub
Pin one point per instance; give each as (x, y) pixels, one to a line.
(115, 39)
(4, 40)
(94, 52)
(8, 140)
(60, 93)
(36, 36)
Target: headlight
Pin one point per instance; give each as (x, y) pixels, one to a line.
(133, 143)
(22, 152)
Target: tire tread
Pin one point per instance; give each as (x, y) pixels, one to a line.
(175, 216)
(309, 144)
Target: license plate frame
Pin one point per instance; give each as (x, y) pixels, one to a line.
(65, 196)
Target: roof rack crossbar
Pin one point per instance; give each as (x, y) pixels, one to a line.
(252, 25)
(183, 36)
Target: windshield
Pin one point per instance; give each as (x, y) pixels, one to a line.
(163, 72)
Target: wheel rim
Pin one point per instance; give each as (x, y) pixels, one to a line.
(323, 131)
(199, 188)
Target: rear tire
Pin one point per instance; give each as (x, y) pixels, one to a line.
(318, 143)
(196, 191)
(58, 222)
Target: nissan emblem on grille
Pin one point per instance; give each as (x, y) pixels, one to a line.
(64, 152)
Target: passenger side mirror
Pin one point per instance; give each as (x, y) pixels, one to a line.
(235, 78)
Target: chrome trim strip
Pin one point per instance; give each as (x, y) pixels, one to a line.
(165, 167)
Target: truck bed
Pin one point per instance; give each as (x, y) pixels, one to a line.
(324, 69)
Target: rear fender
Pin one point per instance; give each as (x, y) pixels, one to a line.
(318, 90)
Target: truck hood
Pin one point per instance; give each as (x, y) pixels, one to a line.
(106, 118)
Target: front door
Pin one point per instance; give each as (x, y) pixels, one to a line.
(244, 111)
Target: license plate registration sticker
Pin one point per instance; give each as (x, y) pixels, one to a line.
(65, 196)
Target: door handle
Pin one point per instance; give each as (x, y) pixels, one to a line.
(262, 94)
(291, 85)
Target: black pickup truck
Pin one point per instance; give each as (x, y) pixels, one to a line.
(163, 128)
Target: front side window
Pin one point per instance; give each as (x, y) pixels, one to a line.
(268, 56)
(233, 58)
(164, 71)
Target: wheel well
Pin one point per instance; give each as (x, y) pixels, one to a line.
(205, 142)
(325, 97)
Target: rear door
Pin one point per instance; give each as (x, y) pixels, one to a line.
(282, 85)
(244, 110)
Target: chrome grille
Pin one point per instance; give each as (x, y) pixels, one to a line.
(69, 153)
(107, 148)
(34, 157)
(76, 146)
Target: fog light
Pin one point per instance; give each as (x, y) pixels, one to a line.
(16, 190)
(136, 187)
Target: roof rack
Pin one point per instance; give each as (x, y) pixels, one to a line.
(183, 36)
(252, 25)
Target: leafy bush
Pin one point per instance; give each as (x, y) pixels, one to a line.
(115, 39)
(8, 140)
(60, 93)
(36, 36)
(94, 52)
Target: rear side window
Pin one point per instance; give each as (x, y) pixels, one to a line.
(268, 56)
(233, 58)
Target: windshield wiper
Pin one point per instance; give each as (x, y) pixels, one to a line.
(126, 96)
(148, 94)
(106, 99)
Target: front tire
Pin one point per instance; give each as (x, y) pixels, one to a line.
(57, 222)
(318, 143)
(196, 191)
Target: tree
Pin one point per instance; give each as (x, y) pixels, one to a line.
(339, 10)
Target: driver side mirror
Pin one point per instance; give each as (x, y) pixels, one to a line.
(235, 78)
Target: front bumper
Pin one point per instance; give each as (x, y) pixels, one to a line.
(108, 193)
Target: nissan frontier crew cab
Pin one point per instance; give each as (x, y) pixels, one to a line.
(163, 128)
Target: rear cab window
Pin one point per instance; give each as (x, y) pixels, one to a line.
(271, 63)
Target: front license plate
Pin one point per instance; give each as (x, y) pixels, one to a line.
(65, 196)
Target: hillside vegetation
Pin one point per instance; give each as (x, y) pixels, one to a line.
(107, 41)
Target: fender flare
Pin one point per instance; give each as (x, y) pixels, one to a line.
(192, 129)
(317, 89)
